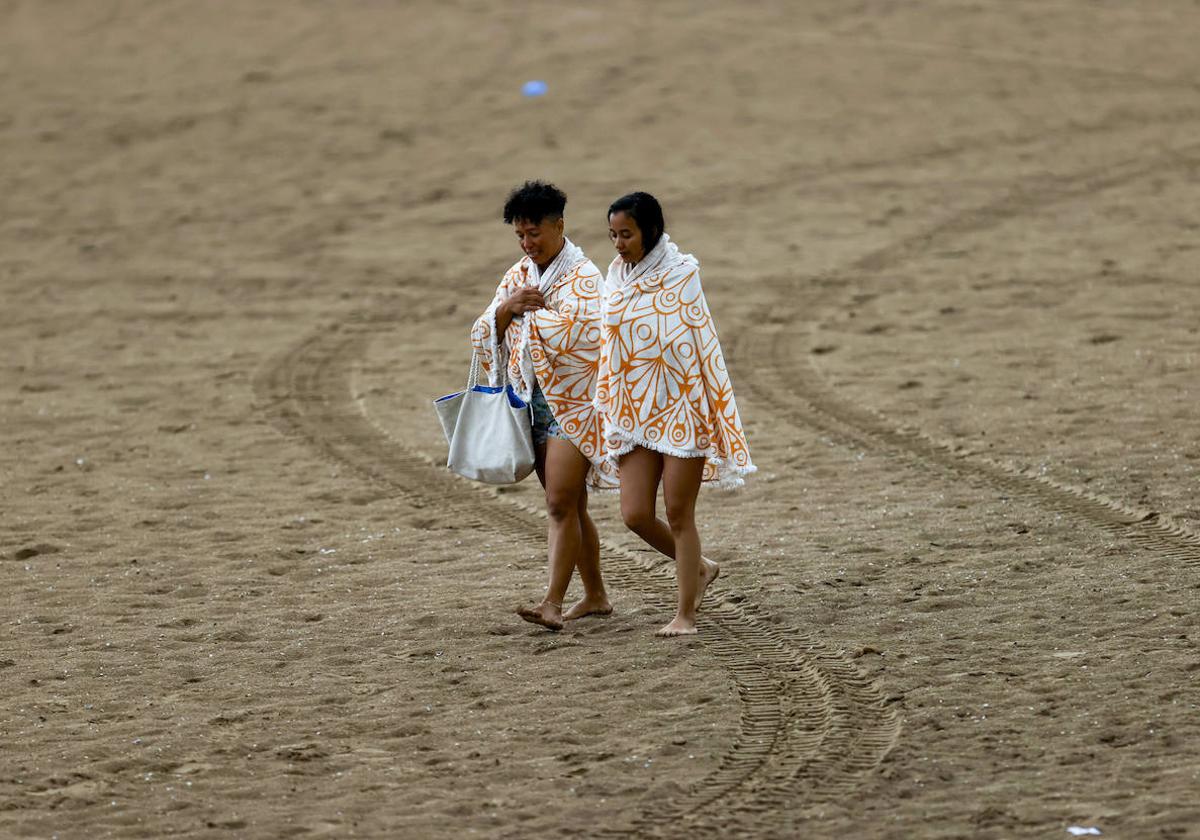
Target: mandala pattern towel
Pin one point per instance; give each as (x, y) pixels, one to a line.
(662, 382)
(557, 347)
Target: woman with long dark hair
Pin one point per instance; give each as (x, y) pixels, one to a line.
(667, 405)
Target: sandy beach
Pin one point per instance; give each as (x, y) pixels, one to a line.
(953, 253)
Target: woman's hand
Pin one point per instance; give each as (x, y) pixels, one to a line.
(522, 301)
(518, 303)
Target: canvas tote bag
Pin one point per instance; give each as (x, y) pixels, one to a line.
(489, 431)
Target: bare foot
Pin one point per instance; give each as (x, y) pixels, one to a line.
(709, 571)
(546, 614)
(679, 626)
(586, 607)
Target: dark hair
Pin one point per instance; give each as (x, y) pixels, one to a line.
(534, 201)
(646, 212)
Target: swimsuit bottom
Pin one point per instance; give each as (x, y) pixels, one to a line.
(544, 424)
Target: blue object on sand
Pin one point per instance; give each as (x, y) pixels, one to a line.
(535, 87)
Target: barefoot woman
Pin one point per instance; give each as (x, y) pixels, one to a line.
(543, 328)
(667, 404)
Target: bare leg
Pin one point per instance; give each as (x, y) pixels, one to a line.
(709, 571)
(641, 472)
(562, 475)
(681, 484)
(595, 599)
(539, 466)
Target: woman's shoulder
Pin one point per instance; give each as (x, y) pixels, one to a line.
(581, 280)
(585, 268)
(683, 269)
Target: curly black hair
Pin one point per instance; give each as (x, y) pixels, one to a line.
(534, 201)
(646, 212)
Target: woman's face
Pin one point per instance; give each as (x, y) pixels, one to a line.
(626, 236)
(540, 241)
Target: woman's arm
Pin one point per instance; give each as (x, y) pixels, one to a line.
(488, 331)
(518, 303)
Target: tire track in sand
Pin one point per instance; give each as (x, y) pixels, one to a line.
(807, 400)
(811, 725)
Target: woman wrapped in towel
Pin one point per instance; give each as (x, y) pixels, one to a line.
(669, 416)
(542, 329)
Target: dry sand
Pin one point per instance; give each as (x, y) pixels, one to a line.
(952, 252)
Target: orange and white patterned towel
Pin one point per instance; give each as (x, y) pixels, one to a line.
(557, 347)
(662, 383)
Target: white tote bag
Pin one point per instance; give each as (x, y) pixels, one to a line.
(489, 431)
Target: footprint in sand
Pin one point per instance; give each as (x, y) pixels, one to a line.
(35, 550)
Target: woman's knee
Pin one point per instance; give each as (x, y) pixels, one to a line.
(637, 519)
(681, 517)
(561, 506)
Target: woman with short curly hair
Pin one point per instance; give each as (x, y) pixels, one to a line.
(542, 333)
